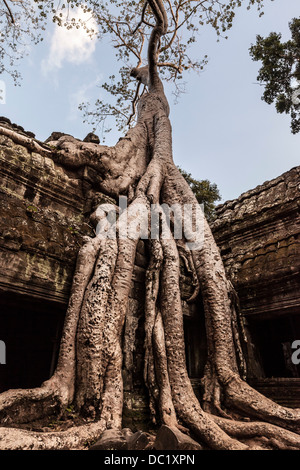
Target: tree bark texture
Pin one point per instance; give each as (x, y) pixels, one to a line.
(88, 374)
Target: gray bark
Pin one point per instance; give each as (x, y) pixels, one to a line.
(90, 360)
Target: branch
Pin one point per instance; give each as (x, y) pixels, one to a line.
(160, 29)
(160, 14)
(175, 19)
(134, 103)
(142, 20)
(9, 11)
(124, 43)
(177, 68)
(178, 26)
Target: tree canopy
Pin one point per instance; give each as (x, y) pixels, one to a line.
(128, 25)
(280, 71)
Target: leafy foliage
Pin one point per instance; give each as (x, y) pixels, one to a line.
(280, 71)
(21, 22)
(128, 25)
(206, 193)
(129, 39)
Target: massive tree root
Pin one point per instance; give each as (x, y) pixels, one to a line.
(89, 371)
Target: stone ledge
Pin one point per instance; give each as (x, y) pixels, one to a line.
(285, 391)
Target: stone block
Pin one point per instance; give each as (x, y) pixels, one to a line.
(170, 438)
(140, 441)
(111, 439)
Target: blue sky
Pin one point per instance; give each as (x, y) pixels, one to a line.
(222, 130)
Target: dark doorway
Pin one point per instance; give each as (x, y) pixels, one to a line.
(274, 338)
(195, 345)
(31, 330)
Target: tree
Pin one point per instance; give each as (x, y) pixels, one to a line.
(205, 192)
(88, 373)
(20, 23)
(280, 71)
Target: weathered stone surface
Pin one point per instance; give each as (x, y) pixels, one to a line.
(54, 136)
(140, 441)
(42, 223)
(124, 440)
(127, 433)
(91, 137)
(172, 439)
(111, 440)
(136, 406)
(7, 123)
(258, 235)
(285, 391)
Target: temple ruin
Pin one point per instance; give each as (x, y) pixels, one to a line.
(44, 217)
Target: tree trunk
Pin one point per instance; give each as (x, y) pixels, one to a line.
(88, 373)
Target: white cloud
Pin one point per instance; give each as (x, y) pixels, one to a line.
(71, 45)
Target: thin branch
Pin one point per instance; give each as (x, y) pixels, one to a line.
(171, 10)
(170, 65)
(9, 11)
(116, 31)
(134, 103)
(142, 20)
(191, 13)
(141, 48)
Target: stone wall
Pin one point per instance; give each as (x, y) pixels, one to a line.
(42, 224)
(258, 235)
